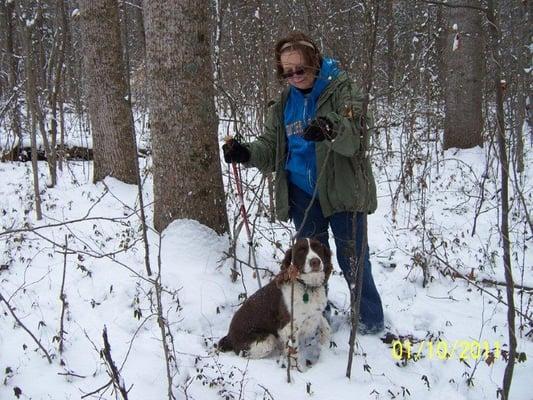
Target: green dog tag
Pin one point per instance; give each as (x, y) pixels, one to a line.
(306, 297)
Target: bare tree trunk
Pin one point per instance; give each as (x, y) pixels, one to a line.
(109, 107)
(463, 122)
(504, 170)
(31, 21)
(12, 75)
(138, 18)
(124, 31)
(31, 100)
(390, 34)
(39, 55)
(56, 87)
(524, 82)
(32, 105)
(61, 95)
(187, 172)
(372, 12)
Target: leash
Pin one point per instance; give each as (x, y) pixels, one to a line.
(242, 209)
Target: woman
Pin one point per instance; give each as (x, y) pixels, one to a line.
(314, 144)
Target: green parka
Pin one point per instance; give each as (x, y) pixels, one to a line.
(344, 173)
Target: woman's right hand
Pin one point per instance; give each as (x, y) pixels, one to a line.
(235, 152)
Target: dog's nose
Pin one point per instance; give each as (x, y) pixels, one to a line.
(315, 264)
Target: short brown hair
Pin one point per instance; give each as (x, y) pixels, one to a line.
(297, 41)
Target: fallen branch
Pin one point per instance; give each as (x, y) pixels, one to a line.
(496, 283)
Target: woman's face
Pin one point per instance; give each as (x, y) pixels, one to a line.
(295, 70)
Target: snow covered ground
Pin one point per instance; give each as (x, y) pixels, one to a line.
(431, 215)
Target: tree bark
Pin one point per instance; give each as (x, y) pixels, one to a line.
(463, 122)
(187, 172)
(109, 107)
(138, 29)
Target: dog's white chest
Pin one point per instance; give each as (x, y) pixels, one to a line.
(308, 305)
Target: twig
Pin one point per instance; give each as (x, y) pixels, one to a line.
(161, 321)
(71, 374)
(484, 177)
(2, 298)
(266, 392)
(355, 298)
(96, 255)
(63, 299)
(11, 231)
(477, 286)
(133, 339)
(116, 379)
(98, 390)
(237, 259)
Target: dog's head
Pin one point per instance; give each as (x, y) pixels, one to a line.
(310, 260)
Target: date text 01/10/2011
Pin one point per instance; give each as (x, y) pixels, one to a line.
(443, 350)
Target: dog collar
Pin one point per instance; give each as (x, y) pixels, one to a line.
(307, 289)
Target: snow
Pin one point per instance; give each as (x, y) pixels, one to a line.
(108, 287)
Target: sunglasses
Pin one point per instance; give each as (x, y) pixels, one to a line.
(295, 72)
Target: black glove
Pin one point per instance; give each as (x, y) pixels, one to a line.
(234, 151)
(318, 130)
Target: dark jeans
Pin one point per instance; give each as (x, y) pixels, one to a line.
(316, 225)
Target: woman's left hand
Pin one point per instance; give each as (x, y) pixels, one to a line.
(318, 130)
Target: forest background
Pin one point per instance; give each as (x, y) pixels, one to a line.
(95, 94)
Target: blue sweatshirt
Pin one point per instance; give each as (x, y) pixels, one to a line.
(300, 109)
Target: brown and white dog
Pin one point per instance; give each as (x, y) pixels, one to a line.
(262, 324)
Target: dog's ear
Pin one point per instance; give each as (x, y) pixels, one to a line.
(284, 275)
(287, 260)
(328, 267)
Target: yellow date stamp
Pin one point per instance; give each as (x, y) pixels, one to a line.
(444, 350)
